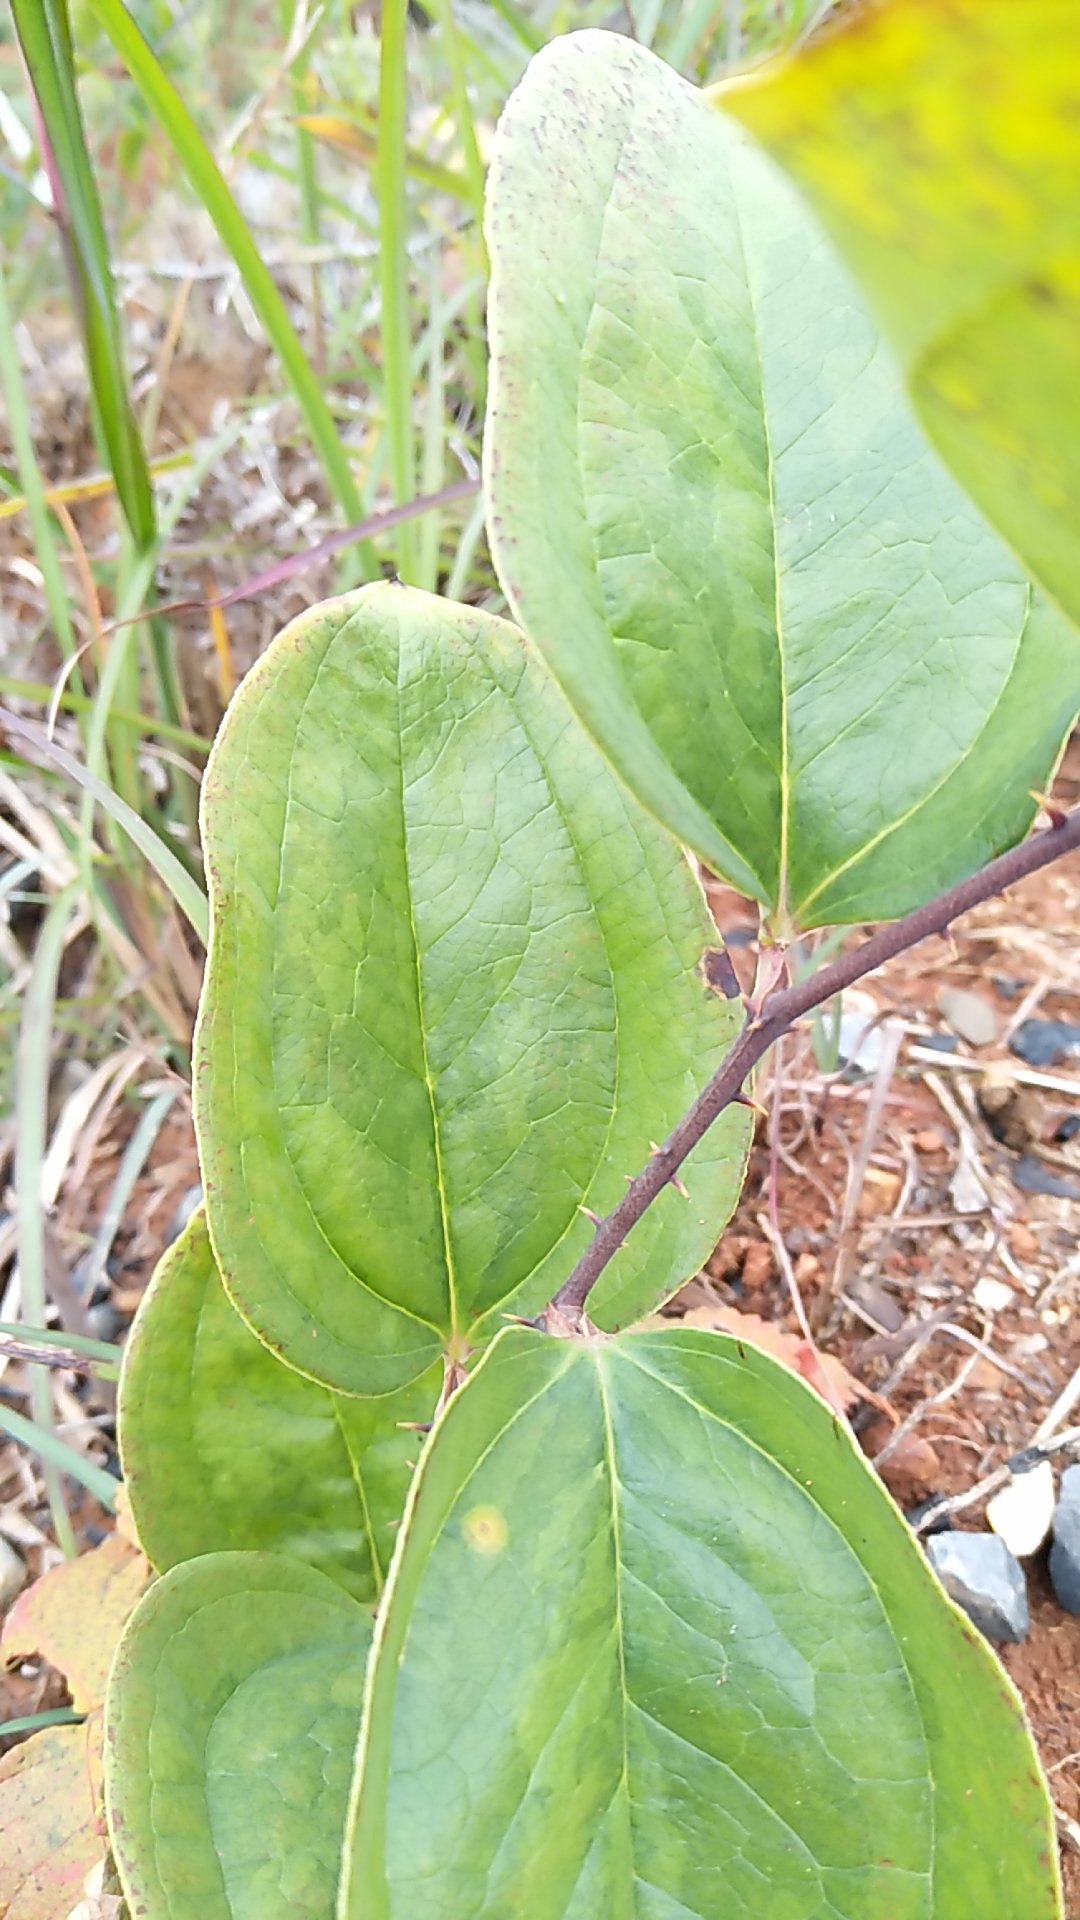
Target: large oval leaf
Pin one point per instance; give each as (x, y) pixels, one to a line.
(230, 1723)
(712, 509)
(224, 1447)
(941, 146)
(451, 997)
(658, 1644)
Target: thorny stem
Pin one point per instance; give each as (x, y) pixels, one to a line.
(779, 1009)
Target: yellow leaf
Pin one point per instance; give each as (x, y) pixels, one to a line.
(939, 141)
(74, 1615)
(51, 1833)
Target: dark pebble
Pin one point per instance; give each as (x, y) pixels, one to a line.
(1065, 1551)
(916, 1515)
(1046, 1043)
(1032, 1175)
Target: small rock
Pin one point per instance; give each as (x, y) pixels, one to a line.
(1022, 1241)
(1032, 1175)
(993, 1296)
(940, 1042)
(982, 1576)
(1046, 1043)
(1065, 1552)
(969, 1015)
(12, 1574)
(860, 1043)
(182, 1212)
(757, 1267)
(929, 1140)
(1022, 1512)
(103, 1322)
(1012, 1114)
(1068, 1128)
(882, 1306)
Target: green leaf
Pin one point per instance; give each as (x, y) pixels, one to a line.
(712, 510)
(223, 1446)
(657, 1643)
(230, 1722)
(451, 997)
(941, 146)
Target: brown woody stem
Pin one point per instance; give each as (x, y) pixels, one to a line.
(778, 1011)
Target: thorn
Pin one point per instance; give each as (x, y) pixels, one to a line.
(416, 1426)
(741, 1099)
(678, 1186)
(589, 1214)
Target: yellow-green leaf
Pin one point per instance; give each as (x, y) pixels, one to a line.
(941, 147)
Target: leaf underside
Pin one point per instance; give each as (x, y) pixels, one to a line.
(941, 147)
(658, 1645)
(712, 509)
(452, 995)
(230, 1725)
(225, 1447)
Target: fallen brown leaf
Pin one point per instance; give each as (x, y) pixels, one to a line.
(820, 1370)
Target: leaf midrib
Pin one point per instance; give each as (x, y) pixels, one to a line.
(436, 1134)
(784, 770)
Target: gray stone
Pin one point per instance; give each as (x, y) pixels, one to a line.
(103, 1321)
(982, 1576)
(1065, 1552)
(969, 1015)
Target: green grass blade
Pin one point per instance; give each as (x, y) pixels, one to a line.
(45, 37)
(31, 1722)
(185, 890)
(530, 36)
(42, 693)
(29, 481)
(394, 268)
(443, 11)
(31, 1127)
(206, 178)
(100, 1350)
(56, 1454)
